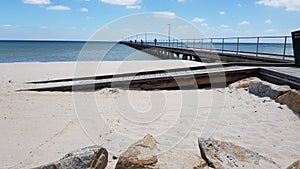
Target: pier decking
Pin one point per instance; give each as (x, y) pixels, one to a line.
(214, 76)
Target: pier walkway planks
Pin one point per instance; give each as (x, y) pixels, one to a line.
(217, 75)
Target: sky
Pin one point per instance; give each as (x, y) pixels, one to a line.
(80, 19)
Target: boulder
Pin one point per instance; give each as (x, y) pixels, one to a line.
(266, 89)
(244, 83)
(223, 155)
(295, 165)
(93, 157)
(291, 99)
(147, 154)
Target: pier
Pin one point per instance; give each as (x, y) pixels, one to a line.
(218, 49)
(227, 67)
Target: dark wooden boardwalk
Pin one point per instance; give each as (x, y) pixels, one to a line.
(214, 76)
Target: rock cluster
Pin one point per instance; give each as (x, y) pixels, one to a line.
(223, 155)
(266, 89)
(282, 94)
(93, 157)
(146, 154)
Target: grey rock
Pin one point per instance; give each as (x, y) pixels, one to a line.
(294, 165)
(244, 83)
(147, 154)
(266, 89)
(291, 99)
(93, 157)
(223, 155)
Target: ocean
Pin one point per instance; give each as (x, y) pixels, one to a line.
(58, 51)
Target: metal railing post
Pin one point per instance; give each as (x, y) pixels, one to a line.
(223, 44)
(237, 46)
(257, 44)
(284, 48)
(211, 44)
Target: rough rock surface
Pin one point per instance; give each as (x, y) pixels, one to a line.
(146, 154)
(295, 165)
(291, 99)
(266, 89)
(244, 83)
(93, 157)
(223, 155)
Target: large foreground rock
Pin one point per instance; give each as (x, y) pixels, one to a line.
(244, 83)
(94, 157)
(224, 155)
(146, 154)
(295, 165)
(266, 89)
(291, 99)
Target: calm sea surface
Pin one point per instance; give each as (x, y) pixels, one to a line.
(53, 51)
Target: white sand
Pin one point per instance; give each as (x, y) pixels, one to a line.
(38, 128)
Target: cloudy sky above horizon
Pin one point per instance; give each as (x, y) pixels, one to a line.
(80, 19)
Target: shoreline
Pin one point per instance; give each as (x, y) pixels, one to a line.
(40, 127)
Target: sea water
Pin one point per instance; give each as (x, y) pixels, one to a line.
(58, 51)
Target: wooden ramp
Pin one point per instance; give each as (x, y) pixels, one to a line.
(214, 76)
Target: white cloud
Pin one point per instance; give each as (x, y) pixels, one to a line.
(84, 9)
(133, 7)
(268, 21)
(197, 19)
(224, 26)
(180, 0)
(167, 15)
(37, 2)
(121, 2)
(244, 23)
(59, 8)
(268, 31)
(7, 26)
(204, 24)
(289, 5)
(222, 13)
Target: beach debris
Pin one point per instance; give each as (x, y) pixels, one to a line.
(109, 91)
(291, 99)
(294, 165)
(223, 155)
(244, 83)
(147, 154)
(266, 89)
(93, 157)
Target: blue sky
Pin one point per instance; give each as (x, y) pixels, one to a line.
(79, 19)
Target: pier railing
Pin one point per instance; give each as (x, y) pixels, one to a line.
(280, 46)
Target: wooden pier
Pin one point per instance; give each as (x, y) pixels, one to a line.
(206, 55)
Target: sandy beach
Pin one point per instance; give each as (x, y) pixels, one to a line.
(41, 127)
